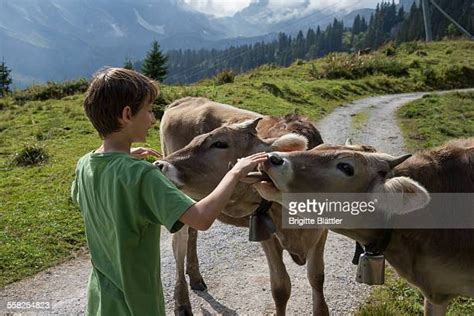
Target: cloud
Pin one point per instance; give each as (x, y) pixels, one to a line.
(218, 7)
(229, 7)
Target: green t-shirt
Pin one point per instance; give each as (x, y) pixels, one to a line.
(124, 202)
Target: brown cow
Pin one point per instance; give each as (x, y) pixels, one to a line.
(231, 133)
(440, 262)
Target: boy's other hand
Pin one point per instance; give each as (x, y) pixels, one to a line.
(143, 152)
(247, 164)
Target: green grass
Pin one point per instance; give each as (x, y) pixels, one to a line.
(434, 119)
(359, 120)
(396, 297)
(425, 123)
(39, 225)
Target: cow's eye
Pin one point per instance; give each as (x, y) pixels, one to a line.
(346, 168)
(220, 145)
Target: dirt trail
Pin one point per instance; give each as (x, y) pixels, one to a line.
(235, 269)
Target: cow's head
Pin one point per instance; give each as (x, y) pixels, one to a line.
(199, 167)
(339, 171)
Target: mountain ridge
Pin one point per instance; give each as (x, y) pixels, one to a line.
(52, 40)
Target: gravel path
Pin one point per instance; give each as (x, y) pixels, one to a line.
(235, 269)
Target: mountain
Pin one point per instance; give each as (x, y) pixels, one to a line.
(43, 40)
(60, 39)
(260, 17)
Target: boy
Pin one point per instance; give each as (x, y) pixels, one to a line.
(125, 200)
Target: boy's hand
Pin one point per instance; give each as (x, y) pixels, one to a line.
(142, 152)
(247, 164)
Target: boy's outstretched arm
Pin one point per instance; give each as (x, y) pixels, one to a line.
(202, 214)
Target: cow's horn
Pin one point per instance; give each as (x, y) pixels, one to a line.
(348, 142)
(398, 160)
(251, 123)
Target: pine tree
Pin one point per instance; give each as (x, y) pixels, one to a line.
(452, 31)
(363, 24)
(128, 63)
(311, 51)
(5, 79)
(401, 14)
(154, 65)
(370, 35)
(299, 46)
(357, 26)
(319, 42)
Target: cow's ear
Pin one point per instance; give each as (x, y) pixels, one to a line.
(290, 142)
(401, 195)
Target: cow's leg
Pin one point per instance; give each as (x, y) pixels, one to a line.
(435, 309)
(182, 305)
(192, 262)
(279, 278)
(316, 275)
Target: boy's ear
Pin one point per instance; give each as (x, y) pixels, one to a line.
(401, 195)
(127, 113)
(290, 142)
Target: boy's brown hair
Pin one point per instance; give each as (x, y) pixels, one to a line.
(110, 91)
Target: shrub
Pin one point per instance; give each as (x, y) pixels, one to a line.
(51, 90)
(225, 76)
(272, 88)
(4, 103)
(41, 135)
(430, 77)
(158, 110)
(314, 73)
(458, 76)
(31, 155)
(415, 64)
(354, 67)
(410, 47)
(421, 53)
(389, 50)
(299, 62)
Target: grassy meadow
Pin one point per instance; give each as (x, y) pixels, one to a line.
(434, 119)
(40, 227)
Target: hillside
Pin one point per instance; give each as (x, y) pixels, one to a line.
(315, 87)
(40, 225)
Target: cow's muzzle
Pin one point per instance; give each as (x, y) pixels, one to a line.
(160, 164)
(275, 159)
(170, 172)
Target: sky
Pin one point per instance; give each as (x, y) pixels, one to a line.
(229, 7)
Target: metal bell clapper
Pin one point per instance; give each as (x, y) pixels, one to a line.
(371, 269)
(261, 227)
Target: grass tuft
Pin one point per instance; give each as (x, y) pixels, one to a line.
(31, 155)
